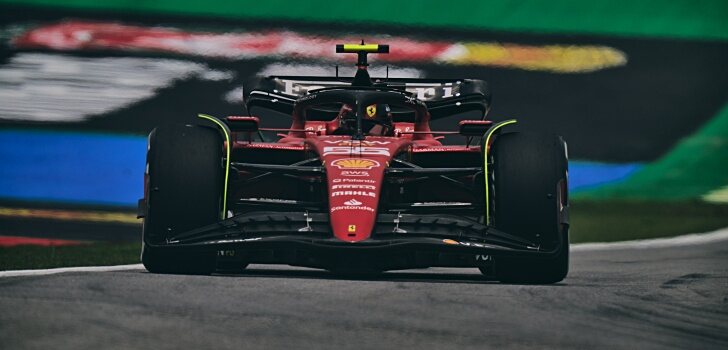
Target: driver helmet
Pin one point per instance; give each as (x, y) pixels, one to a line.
(347, 120)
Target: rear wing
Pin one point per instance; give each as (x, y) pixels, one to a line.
(443, 97)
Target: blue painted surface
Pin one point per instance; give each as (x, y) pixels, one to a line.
(72, 167)
(584, 175)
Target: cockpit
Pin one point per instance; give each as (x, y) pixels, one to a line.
(370, 112)
(376, 121)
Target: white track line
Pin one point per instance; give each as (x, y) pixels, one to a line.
(691, 239)
(14, 273)
(684, 240)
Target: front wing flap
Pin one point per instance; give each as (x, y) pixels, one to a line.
(399, 241)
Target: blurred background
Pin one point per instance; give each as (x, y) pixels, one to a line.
(638, 89)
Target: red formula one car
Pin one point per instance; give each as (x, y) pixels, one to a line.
(358, 183)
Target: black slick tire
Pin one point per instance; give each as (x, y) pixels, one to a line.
(530, 200)
(184, 192)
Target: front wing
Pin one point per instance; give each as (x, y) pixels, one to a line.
(399, 241)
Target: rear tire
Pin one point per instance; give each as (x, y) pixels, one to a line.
(184, 192)
(530, 200)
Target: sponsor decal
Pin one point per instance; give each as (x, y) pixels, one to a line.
(357, 143)
(481, 257)
(355, 173)
(307, 97)
(353, 202)
(352, 228)
(229, 253)
(373, 151)
(301, 87)
(353, 193)
(349, 187)
(355, 163)
(371, 111)
(428, 93)
(365, 181)
(352, 207)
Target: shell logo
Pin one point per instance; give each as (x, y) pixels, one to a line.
(355, 163)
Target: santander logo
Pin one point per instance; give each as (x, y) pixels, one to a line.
(353, 202)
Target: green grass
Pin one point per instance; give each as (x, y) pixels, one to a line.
(611, 220)
(658, 18)
(34, 257)
(591, 221)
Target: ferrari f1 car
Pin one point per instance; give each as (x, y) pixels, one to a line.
(358, 183)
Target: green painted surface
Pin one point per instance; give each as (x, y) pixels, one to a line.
(706, 19)
(696, 166)
(34, 257)
(624, 220)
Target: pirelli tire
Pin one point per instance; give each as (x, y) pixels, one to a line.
(184, 191)
(530, 200)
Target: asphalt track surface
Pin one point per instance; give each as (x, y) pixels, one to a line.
(647, 298)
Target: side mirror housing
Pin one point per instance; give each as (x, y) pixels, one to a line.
(243, 124)
(474, 128)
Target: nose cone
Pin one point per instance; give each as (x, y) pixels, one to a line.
(354, 188)
(355, 171)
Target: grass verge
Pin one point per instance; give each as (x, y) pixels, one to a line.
(35, 257)
(615, 220)
(591, 221)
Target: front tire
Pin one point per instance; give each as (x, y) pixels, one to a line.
(184, 192)
(531, 201)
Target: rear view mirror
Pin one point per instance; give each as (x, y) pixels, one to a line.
(474, 128)
(243, 124)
